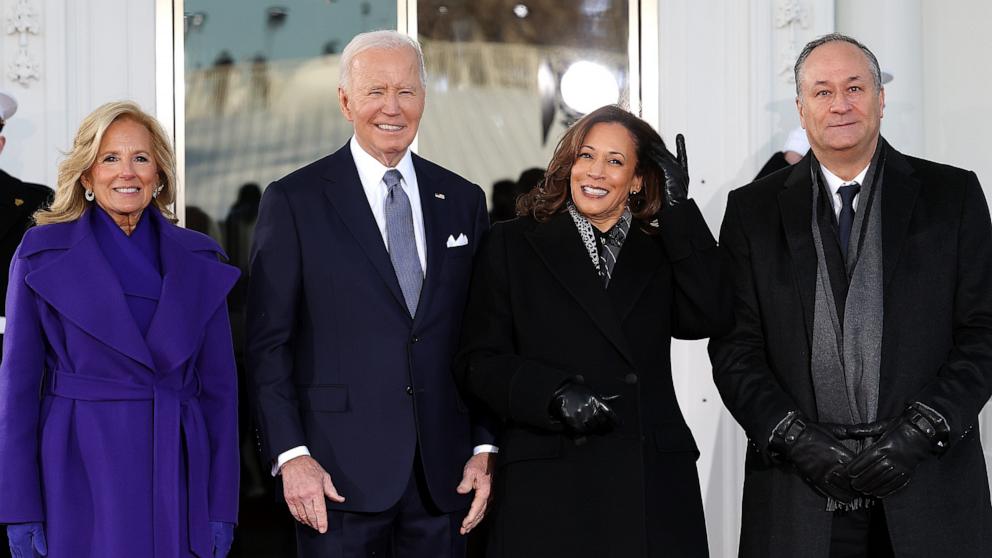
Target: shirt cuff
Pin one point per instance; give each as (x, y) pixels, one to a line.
(286, 456)
(484, 448)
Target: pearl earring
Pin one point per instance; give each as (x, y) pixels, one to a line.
(89, 195)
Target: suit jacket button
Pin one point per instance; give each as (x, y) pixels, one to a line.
(415, 339)
(630, 378)
(409, 390)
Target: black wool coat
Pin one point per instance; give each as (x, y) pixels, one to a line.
(538, 315)
(18, 202)
(936, 349)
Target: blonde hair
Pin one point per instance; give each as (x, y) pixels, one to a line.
(69, 203)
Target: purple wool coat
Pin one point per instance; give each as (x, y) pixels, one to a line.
(122, 445)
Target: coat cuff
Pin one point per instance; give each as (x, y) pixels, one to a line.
(683, 231)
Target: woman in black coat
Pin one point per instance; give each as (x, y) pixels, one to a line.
(567, 337)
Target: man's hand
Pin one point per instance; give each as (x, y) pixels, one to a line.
(887, 466)
(305, 484)
(817, 454)
(476, 476)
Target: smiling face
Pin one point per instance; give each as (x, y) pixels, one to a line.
(384, 101)
(602, 175)
(124, 175)
(839, 105)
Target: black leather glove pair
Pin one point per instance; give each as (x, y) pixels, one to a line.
(887, 466)
(882, 469)
(582, 410)
(676, 169)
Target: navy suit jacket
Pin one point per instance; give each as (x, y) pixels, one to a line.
(335, 361)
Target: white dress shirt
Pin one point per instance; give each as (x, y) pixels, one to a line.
(834, 183)
(370, 172)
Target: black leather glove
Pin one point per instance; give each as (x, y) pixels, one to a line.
(887, 466)
(817, 453)
(676, 171)
(582, 410)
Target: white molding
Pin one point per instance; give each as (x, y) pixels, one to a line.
(23, 19)
(791, 18)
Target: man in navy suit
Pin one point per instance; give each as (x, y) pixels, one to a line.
(359, 272)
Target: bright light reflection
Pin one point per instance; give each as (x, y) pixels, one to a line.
(587, 86)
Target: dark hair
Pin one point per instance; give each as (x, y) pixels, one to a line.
(876, 72)
(551, 195)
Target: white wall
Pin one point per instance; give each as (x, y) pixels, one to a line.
(89, 52)
(957, 77)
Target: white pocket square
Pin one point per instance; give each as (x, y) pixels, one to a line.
(453, 242)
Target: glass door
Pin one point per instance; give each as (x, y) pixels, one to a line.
(506, 77)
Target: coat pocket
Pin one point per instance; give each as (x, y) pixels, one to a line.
(518, 444)
(328, 398)
(673, 437)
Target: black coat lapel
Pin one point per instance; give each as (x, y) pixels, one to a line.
(436, 228)
(344, 191)
(899, 192)
(560, 247)
(638, 262)
(796, 207)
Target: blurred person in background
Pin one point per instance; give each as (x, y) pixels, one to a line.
(18, 202)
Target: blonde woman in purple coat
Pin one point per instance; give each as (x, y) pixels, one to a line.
(118, 398)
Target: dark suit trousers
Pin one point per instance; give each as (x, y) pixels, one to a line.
(860, 534)
(412, 528)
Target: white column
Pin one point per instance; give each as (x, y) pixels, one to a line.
(87, 52)
(893, 30)
(725, 81)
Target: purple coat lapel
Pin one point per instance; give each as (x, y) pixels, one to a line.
(194, 284)
(82, 287)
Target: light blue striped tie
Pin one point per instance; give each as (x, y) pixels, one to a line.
(402, 242)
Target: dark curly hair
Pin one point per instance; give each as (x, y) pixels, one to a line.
(551, 195)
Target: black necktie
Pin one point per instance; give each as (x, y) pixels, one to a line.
(846, 219)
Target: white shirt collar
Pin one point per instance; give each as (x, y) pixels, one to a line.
(371, 171)
(834, 182)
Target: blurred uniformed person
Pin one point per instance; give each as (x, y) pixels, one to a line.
(18, 202)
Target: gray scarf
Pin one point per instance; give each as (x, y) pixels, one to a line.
(614, 239)
(846, 356)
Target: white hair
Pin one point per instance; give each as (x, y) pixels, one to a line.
(384, 39)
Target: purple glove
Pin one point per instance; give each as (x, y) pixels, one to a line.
(27, 540)
(223, 537)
